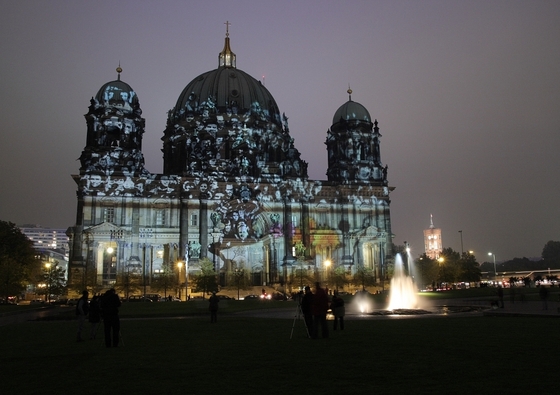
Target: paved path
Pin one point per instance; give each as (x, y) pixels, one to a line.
(443, 308)
(28, 315)
(526, 309)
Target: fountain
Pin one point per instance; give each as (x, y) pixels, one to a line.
(403, 293)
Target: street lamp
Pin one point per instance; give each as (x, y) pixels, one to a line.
(440, 262)
(187, 278)
(495, 274)
(327, 264)
(180, 265)
(48, 266)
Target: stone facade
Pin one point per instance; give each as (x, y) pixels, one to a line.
(234, 188)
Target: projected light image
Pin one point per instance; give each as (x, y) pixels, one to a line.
(234, 188)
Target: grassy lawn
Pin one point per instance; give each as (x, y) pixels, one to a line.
(449, 355)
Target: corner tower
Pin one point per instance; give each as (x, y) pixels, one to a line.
(353, 146)
(114, 132)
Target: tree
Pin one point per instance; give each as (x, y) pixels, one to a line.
(364, 277)
(17, 260)
(128, 283)
(164, 280)
(239, 278)
(54, 279)
(301, 275)
(551, 254)
(469, 268)
(428, 270)
(338, 277)
(450, 268)
(206, 280)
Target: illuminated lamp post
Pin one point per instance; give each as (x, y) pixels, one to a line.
(494, 257)
(187, 278)
(327, 264)
(179, 265)
(440, 261)
(109, 264)
(48, 297)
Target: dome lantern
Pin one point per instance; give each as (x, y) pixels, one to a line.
(226, 57)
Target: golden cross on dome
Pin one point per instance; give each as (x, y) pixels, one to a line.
(227, 27)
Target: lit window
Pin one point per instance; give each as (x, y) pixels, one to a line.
(109, 214)
(160, 217)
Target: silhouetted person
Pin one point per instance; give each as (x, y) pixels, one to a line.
(319, 307)
(214, 300)
(500, 297)
(543, 293)
(337, 307)
(512, 294)
(110, 304)
(306, 302)
(82, 308)
(94, 315)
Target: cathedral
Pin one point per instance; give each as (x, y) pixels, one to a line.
(234, 188)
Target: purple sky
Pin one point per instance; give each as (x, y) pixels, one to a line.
(467, 95)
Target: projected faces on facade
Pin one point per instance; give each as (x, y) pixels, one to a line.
(114, 134)
(115, 95)
(229, 144)
(99, 184)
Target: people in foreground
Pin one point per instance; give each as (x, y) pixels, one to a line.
(337, 308)
(214, 300)
(82, 309)
(110, 303)
(319, 308)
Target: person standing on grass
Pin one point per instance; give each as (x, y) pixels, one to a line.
(500, 296)
(94, 315)
(319, 308)
(110, 303)
(306, 302)
(337, 307)
(543, 293)
(82, 308)
(214, 300)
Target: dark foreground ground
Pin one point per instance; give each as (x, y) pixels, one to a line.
(256, 353)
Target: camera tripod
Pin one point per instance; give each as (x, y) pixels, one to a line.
(297, 317)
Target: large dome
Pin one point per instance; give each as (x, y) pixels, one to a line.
(117, 93)
(351, 111)
(228, 90)
(227, 124)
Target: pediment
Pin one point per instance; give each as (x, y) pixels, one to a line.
(104, 228)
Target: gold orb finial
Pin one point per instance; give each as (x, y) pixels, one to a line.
(119, 71)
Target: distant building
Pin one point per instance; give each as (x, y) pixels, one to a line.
(47, 238)
(234, 188)
(51, 244)
(432, 241)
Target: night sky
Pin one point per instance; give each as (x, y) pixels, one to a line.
(467, 95)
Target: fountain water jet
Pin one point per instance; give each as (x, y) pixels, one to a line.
(403, 291)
